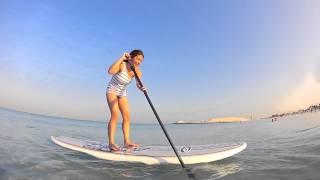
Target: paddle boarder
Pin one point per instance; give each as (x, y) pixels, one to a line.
(117, 95)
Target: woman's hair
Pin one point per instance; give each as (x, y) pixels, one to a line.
(136, 52)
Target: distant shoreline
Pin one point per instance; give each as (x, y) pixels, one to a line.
(215, 120)
(310, 109)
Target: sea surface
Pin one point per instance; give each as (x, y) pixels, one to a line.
(286, 149)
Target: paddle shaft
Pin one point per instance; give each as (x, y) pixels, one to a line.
(160, 122)
(166, 133)
(157, 116)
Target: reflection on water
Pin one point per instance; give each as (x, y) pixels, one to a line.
(135, 173)
(217, 170)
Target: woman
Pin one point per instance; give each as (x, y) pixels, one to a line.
(117, 95)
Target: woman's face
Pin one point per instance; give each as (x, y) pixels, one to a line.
(137, 60)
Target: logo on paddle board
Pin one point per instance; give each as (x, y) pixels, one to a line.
(185, 149)
(141, 149)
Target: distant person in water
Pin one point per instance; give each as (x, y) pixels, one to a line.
(117, 95)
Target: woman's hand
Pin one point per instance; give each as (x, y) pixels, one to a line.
(125, 56)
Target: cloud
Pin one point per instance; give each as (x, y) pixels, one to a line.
(301, 97)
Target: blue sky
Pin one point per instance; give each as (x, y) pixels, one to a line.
(203, 59)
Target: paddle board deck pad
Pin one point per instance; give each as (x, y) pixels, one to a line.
(153, 154)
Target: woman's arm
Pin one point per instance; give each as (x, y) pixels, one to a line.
(115, 67)
(139, 73)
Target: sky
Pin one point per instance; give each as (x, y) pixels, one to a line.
(203, 59)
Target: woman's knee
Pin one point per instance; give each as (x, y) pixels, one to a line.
(126, 117)
(114, 116)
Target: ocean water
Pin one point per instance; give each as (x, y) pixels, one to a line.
(286, 149)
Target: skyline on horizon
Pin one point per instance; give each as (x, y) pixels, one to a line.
(209, 59)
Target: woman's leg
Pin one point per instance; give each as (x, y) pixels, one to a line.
(114, 110)
(124, 109)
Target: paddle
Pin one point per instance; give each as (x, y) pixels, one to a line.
(190, 174)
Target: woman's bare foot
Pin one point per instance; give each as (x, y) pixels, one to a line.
(131, 145)
(114, 147)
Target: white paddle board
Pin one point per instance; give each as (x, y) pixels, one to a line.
(153, 154)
